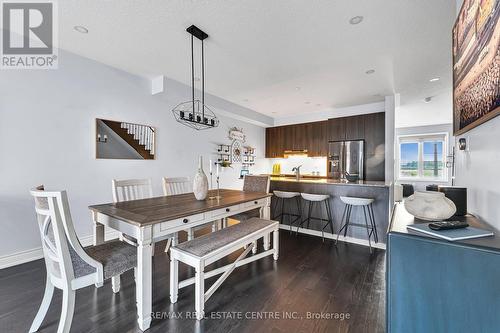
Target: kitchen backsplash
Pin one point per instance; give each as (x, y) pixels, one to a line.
(309, 164)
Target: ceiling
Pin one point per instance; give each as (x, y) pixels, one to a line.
(280, 57)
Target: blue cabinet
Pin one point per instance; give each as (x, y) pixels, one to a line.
(440, 286)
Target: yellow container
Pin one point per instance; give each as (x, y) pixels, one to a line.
(276, 169)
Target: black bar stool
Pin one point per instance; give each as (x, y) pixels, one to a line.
(367, 205)
(283, 197)
(317, 199)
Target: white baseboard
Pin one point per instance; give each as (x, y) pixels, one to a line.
(22, 257)
(347, 239)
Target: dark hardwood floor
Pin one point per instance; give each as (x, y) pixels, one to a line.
(310, 276)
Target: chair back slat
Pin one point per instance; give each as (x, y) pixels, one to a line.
(48, 237)
(55, 243)
(131, 189)
(176, 185)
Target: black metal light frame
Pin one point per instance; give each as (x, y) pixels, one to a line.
(195, 113)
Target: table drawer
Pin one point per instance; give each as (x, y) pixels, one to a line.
(182, 221)
(226, 211)
(255, 203)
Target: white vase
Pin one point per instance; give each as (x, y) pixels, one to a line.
(430, 206)
(200, 182)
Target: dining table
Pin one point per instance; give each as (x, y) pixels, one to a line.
(154, 219)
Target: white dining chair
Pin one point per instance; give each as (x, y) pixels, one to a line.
(131, 189)
(134, 189)
(68, 265)
(175, 186)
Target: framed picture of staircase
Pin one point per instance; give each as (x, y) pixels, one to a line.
(122, 140)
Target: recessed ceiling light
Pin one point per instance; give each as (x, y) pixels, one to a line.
(297, 88)
(435, 79)
(318, 104)
(245, 100)
(81, 29)
(370, 71)
(307, 102)
(356, 20)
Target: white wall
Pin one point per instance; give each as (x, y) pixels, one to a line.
(47, 137)
(419, 113)
(333, 113)
(478, 170)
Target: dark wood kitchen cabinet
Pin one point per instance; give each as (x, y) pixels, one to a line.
(314, 138)
(308, 136)
(374, 135)
(288, 137)
(300, 136)
(346, 128)
(318, 143)
(275, 142)
(355, 128)
(336, 129)
(374, 132)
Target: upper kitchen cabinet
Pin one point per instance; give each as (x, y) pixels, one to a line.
(374, 133)
(302, 136)
(318, 133)
(336, 129)
(314, 137)
(370, 127)
(289, 137)
(355, 128)
(346, 128)
(308, 136)
(275, 142)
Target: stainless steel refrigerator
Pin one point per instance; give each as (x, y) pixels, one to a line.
(346, 156)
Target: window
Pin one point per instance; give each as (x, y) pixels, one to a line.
(423, 157)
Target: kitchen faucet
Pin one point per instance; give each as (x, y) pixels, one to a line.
(297, 172)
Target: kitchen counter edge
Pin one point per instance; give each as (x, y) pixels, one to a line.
(326, 181)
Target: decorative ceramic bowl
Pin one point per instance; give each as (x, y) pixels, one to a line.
(430, 206)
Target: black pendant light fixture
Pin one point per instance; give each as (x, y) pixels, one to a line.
(195, 113)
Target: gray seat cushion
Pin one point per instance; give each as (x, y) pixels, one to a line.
(116, 257)
(206, 244)
(246, 215)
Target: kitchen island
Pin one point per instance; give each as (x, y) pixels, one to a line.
(378, 190)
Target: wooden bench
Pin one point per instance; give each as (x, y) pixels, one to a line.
(203, 251)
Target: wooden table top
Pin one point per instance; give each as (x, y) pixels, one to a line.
(160, 209)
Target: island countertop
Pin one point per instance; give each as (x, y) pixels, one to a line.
(329, 181)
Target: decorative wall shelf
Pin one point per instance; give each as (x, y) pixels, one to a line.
(248, 157)
(223, 153)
